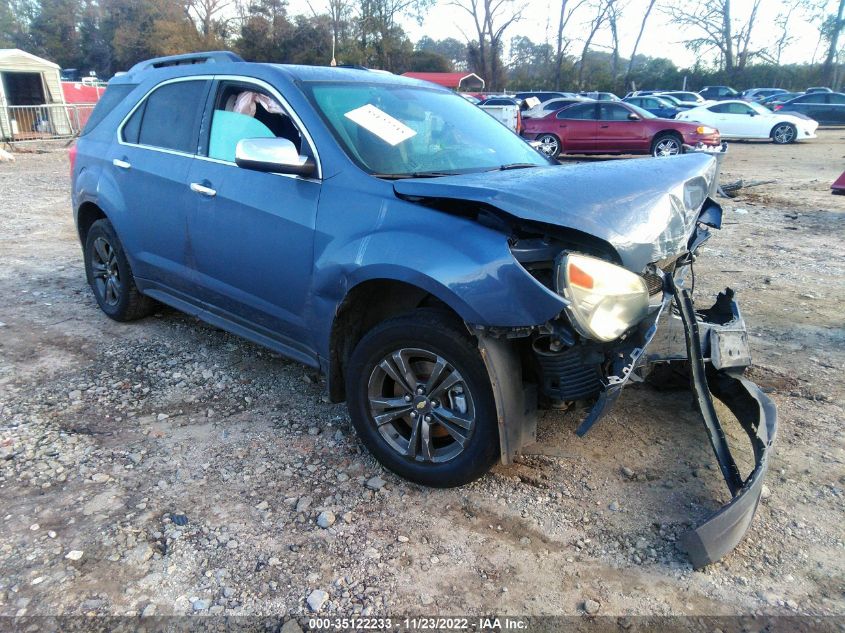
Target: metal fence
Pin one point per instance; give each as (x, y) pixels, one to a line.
(20, 124)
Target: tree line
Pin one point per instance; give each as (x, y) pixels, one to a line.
(106, 36)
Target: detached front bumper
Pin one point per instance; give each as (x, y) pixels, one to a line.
(716, 352)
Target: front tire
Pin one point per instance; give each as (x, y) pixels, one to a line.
(666, 145)
(420, 399)
(550, 145)
(110, 276)
(784, 134)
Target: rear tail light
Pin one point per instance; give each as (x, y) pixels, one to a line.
(778, 107)
(71, 154)
(519, 126)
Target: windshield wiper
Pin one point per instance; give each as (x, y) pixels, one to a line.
(516, 166)
(415, 174)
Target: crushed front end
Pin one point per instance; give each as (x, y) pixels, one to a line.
(711, 345)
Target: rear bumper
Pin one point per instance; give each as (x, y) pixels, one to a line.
(715, 352)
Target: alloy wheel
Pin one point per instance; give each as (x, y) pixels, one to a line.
(549, 145)
(421, 405)
(784, 134)
(667, 147)
(105, 272)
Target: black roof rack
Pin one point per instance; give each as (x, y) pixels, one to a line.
(208, 57)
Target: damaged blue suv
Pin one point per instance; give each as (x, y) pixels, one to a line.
(444, 276)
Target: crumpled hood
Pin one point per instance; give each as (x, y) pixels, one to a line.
(645, 208)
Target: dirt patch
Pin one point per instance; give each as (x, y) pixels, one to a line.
(189, 466)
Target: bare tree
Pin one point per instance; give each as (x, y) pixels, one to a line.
(714, 27)
(782, 23)
(743, 38)
(828, 68)
(567, 9)
(711, 25)
(491, 19)
(648, 11)
(208, 14)
(601, 10)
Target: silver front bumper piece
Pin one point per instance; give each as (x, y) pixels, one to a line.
(713, 345)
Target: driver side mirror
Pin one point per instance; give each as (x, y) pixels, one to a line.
(276, 155)
(633, 116)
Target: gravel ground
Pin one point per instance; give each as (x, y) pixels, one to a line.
(167, 467)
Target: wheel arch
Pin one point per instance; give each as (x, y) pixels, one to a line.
(365, 305)
(88, 213)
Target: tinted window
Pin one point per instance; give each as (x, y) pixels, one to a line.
(816, 97)
(579, 112)
(133, 126)
(613, 112)
(731, 108)
(108, 102)
(836, 98)
(171, 115)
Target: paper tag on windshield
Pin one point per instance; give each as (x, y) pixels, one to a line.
(380, 123)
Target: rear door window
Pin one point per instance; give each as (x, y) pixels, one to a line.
(169, 117)
(583, 112)
(613, 112)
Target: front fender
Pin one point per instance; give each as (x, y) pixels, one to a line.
(464, 264)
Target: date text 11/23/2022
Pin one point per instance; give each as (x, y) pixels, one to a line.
(434, 623)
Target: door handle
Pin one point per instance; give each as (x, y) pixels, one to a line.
(121, 163)
(202, 189)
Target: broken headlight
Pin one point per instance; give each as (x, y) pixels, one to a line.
(605, 299)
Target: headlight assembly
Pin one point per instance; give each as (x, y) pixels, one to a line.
(605, 299)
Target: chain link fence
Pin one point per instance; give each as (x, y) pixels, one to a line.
(20, 124)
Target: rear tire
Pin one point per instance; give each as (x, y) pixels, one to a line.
(110, 276)
(424, 380)
(666, 144)
(784, 134)
(550, 145)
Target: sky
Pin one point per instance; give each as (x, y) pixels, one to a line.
(661, 39)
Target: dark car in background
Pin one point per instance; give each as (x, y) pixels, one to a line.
(499, 101)
(818, 89)
(543, 95)
(824, 107)
(614, 128)
(779, 98)
(758, 94)
(599, 96)
(718, 93)
(658, 106)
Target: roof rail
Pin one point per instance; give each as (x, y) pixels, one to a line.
(208, 57)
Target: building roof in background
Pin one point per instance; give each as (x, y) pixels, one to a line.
(448, 80)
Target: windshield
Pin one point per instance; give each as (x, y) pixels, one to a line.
(395, 130)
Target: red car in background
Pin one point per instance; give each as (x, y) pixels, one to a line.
(614, 128)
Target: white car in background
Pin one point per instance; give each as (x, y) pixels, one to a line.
(740, 119)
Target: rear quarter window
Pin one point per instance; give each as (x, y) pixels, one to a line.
(111, 98)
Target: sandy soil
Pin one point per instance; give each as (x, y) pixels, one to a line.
(107, 431)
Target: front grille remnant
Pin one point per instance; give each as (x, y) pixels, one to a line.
(653, 282)
(565, 375)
